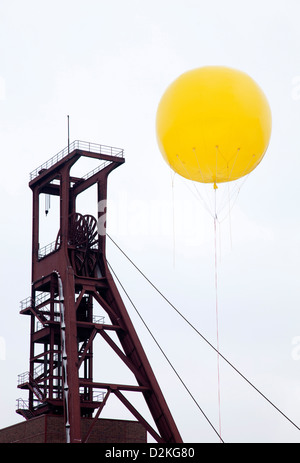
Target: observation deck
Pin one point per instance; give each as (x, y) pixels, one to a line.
(106, 152)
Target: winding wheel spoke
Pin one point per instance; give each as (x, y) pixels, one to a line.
(92, 232)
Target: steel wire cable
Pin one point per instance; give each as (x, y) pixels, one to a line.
(204, 338)
(165, 356)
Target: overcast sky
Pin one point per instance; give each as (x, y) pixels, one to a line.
(107, 64)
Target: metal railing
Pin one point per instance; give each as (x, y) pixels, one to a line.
(45, 297)
(80, 145)
(54, 245)
(27, 302)
(41, 298)
(22, 404)
(96, 395)
(30, 302)
(96, 170)
(44, 251)
(98, 319)
(39, 371)
(23, 378)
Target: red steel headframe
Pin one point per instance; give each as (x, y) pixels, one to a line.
(67, 278)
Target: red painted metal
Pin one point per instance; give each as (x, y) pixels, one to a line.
(68, 278)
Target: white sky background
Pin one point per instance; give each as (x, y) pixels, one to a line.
(106, 64)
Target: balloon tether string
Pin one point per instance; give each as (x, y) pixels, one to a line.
(217, 311)
(173, 215)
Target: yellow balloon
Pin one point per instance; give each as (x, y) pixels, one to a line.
(213, 124)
